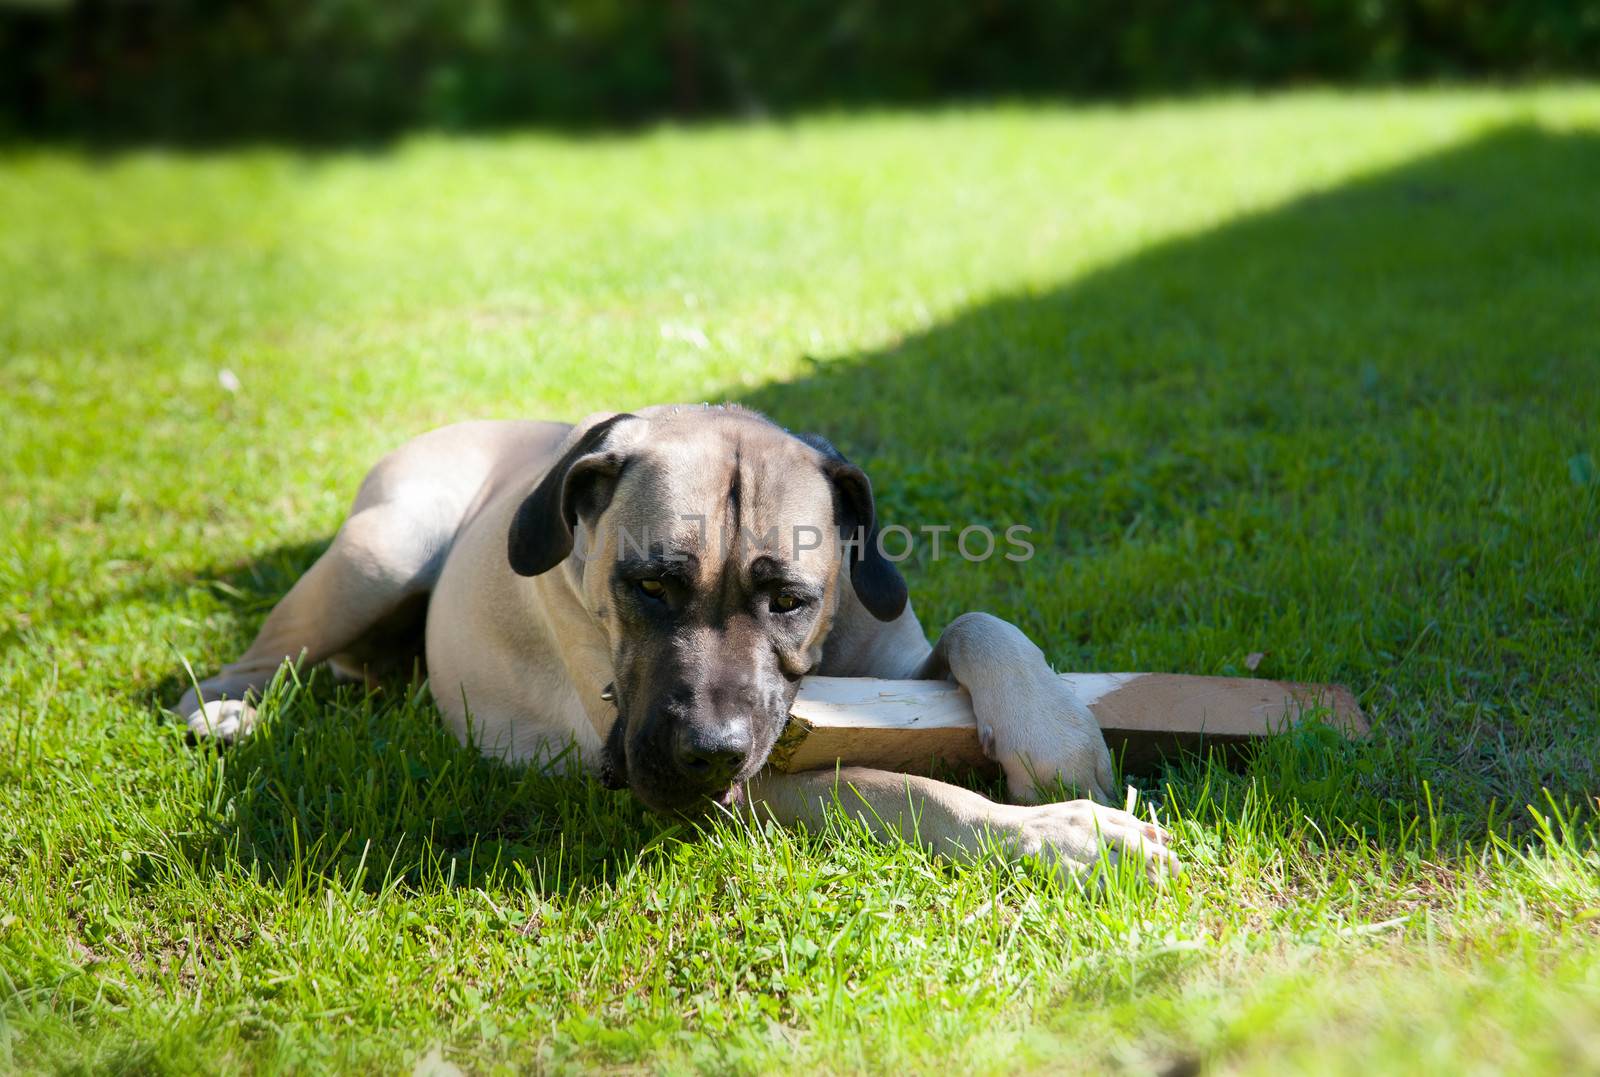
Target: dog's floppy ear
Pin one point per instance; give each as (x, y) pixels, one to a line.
(579, 483)
(878, 584)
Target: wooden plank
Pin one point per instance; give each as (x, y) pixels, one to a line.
(918, 726)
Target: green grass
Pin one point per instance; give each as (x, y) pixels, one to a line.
(1315, 376)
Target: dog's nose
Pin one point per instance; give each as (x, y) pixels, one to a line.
(712, 757)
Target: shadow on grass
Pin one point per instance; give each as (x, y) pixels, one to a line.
(1345, 435)
(250, 588)
(1349, 434)
(338, 782)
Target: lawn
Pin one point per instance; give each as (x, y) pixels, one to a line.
(1315, 376)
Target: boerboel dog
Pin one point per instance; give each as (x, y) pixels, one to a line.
(651, 588)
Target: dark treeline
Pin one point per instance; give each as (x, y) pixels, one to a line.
(313, 70)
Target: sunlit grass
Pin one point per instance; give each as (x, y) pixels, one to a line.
(1311, 376)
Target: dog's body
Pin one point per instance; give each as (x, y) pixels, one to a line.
(645, 587)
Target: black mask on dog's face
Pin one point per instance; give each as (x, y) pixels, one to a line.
(705, 545)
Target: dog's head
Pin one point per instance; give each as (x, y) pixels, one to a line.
(710, 546)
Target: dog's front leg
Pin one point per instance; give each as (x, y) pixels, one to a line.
(1029, 720)
(961, 824)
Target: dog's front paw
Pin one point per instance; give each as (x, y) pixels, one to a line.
(1072, 837)
(224, 720)
(1041, 734)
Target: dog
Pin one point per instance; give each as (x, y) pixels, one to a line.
(650, 588)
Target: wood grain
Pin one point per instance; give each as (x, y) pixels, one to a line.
(921, 726)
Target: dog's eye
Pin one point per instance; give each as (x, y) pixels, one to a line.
(783, 602)
(653, 588)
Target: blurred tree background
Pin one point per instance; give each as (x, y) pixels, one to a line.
(311, 70)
